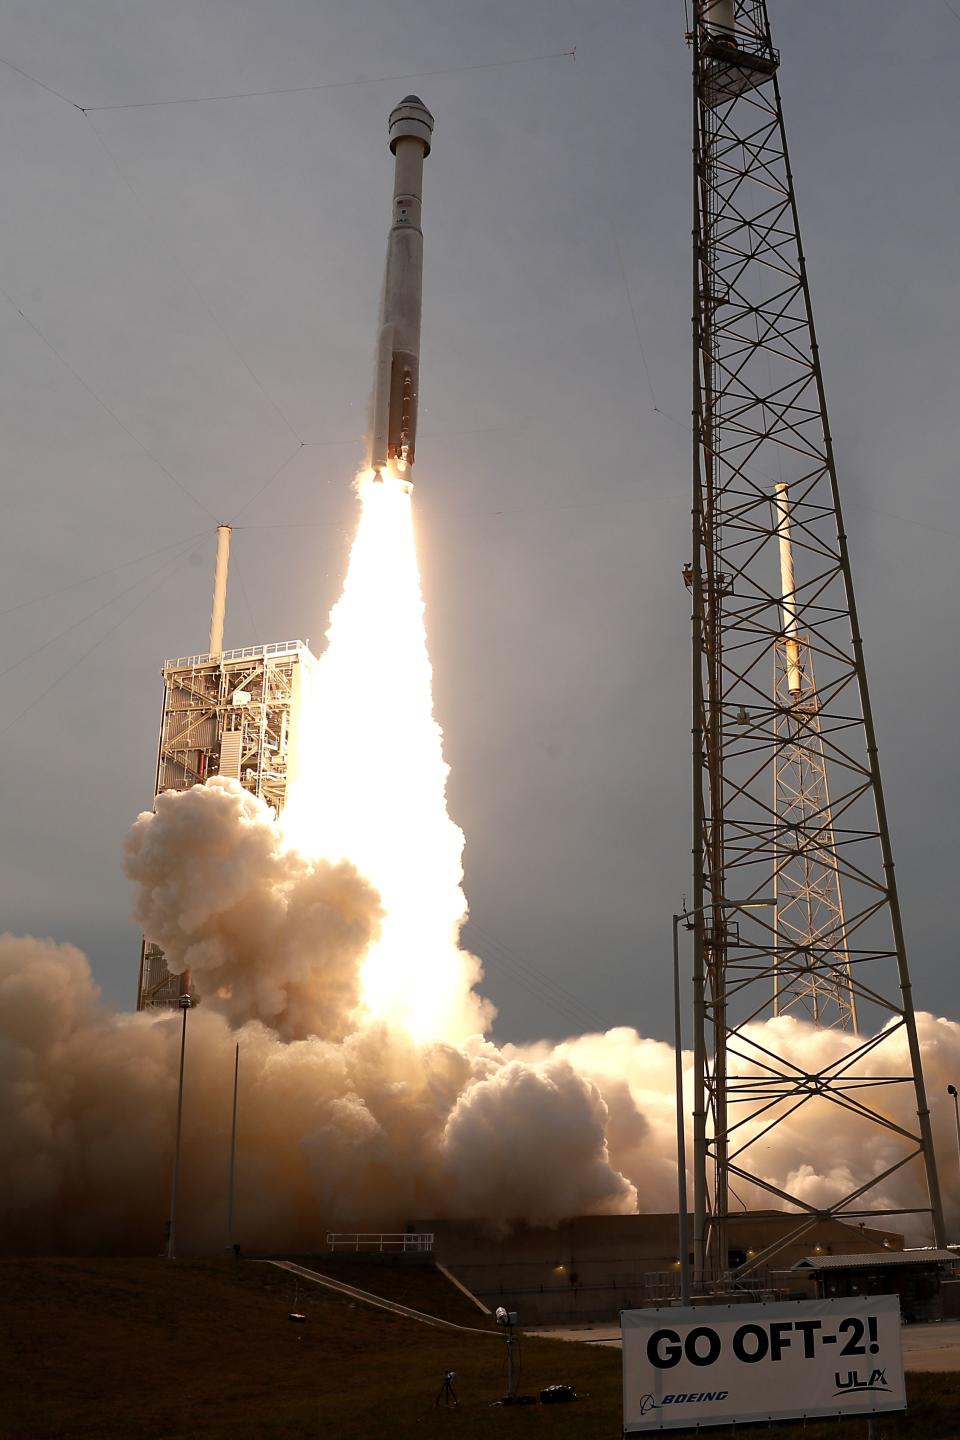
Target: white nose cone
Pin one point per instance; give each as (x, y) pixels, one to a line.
(410, 120)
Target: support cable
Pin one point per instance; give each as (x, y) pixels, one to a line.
(188, 278)
(189, 495)
(525, 969)
(75, 624)
(168, 575)
(102, 574)
(329, 84)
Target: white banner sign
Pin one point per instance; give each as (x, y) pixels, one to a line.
(780, 1361)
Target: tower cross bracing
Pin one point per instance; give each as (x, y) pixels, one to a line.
(795, 900)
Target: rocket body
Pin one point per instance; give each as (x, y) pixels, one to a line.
(396, 383)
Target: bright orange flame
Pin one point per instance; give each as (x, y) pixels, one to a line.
(371, 783)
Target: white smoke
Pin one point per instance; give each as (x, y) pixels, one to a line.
(343, 1124)
(530, 1142)
(265, 933)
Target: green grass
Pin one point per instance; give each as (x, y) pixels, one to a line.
(134, 1348)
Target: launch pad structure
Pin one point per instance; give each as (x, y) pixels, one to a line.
(795, 905)
(226, 712)
(795, 909)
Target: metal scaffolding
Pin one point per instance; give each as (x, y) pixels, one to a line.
(235, 713)
(795, 904)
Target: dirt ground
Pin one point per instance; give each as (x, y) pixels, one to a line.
(205, 1350)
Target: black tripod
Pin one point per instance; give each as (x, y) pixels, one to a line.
(446, 1392)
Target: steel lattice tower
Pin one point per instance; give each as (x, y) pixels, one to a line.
(808, 908)
(772, 595)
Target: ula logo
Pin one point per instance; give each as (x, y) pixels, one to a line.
(853, 1383)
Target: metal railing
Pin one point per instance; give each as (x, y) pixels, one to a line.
(246, 652)
(381, 1243)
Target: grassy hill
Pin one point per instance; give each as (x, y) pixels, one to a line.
(422, 1286)
(204, 1349)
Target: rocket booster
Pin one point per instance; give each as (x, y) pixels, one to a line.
(396, 382)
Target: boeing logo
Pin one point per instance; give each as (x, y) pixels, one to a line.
(693, 1397)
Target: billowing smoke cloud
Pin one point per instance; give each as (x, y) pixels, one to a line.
(531, 1141)
(264, 933)
(344, 1123)
(362, 1133)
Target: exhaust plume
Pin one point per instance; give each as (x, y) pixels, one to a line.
(371, 779)
(329, 947)
(265, 933)
(360, 1127)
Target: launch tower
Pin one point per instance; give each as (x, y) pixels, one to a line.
(795, 904)
(226, 712)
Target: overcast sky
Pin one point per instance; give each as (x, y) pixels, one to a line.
(188, 306)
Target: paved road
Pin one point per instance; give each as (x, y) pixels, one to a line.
(932, 1347)
(925, 1347)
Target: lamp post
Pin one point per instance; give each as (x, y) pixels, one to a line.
(232, 1187)
(683, 1220)
(185, 1003)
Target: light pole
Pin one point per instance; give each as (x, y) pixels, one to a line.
(952, 1090)
(231, 1191)
(683, 1220)
(185, 1003)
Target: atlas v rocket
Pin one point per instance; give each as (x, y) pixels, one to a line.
(396, 381)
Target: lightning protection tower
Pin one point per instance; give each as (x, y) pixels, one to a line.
(774, 847)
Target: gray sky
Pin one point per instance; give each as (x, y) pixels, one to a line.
(200, 282)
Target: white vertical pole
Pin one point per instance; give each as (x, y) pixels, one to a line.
(171, 1235)
(788, 591)
(219, 611)
(683, 1220)
(233, 1150)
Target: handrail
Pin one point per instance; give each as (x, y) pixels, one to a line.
(380, 1242)
(246, 652)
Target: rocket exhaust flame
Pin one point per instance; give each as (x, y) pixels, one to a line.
(371, 784)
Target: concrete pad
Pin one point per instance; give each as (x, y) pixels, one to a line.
(932, 1347)
(607, 1335)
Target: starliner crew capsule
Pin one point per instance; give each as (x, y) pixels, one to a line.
(396, 383)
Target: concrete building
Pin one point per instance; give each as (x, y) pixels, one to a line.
(590, 1268)
(916, 1276)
